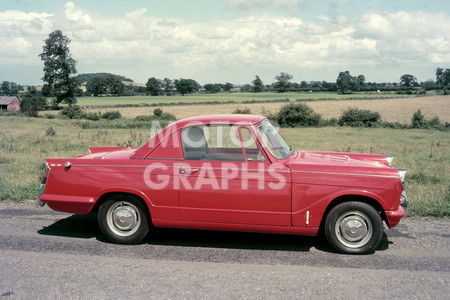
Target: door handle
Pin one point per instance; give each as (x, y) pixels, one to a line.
(188, 171)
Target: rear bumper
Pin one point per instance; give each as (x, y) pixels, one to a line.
(69, 204)
(40, 203)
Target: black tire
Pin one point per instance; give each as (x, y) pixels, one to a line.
(123, 219)
(354, 228)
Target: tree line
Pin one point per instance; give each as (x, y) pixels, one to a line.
(63, 87)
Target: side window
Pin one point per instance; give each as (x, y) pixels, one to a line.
(194, 143)
(216, 143)
(252, 151)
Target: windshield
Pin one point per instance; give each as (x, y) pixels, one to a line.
(273, 141)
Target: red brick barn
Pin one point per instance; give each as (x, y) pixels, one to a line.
(9, 103)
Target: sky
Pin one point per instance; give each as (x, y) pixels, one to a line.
(218, 41)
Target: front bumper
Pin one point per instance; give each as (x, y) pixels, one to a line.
(404, 203)
(393, 217)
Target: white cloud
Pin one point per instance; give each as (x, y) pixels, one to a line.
(252, 5)
(77, 16)
(141, 44)
(17, 23)
(21, 36)
(414, 38)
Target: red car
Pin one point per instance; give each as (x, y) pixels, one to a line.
(230, 172)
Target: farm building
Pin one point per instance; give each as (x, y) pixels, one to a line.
(9, 103)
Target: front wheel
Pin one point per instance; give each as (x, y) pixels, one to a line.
(123, 220)
(354, 228)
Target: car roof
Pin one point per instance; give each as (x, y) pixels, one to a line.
(235, 119)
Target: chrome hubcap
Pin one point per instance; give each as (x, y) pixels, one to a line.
(123, 218)
(353, 229)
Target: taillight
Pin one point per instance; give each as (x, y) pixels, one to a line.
(45, 177)
(44, 181)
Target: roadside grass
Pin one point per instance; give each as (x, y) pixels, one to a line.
(25, 142)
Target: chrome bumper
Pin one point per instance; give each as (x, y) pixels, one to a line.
(404, 203)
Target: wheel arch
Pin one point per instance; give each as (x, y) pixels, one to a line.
(104, 197)
(352, 197)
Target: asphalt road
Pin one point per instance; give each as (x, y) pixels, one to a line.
(50, 255)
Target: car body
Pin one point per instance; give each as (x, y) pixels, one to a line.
(234, 173)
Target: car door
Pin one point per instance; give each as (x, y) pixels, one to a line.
(226, 178)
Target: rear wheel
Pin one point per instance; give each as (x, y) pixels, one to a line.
(354, 228)
(122, 219)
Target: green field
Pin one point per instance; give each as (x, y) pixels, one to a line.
(25, 142)
(226, 97)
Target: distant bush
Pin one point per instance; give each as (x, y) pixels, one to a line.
(50, 132)
(158, 114)
(395, 125)
(167, 116)
(245, 111)
(32, 102)
(329, 122)
(111, 115)
(72, 112)
(297, 115)
(144, 118)
(418, 121)
(92, 116)
(355, 117)
(49, 116)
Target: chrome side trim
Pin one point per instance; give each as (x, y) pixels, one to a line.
(348, 174)
(200, 167)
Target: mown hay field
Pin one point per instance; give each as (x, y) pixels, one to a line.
(391, 110)
(226, 97)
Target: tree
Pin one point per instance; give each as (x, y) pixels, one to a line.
(58, 68)
(167, 85)
(85, 77)
(360, 80)
(227, 87)
(96, 86)
(186, 86)
(153, 86)
(282, 84)
(114, 85)
(105, 85)
(346, 82)
(408, 80)
(258, 85)
(32, 102)
(8, 88)
(213, 87)
(442, 77)
(246, 88)
(4, 88)
(46, 90)
(429, 85)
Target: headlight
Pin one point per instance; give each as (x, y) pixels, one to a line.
(402, 174)
(389, 159)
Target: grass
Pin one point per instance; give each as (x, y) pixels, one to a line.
(25, 142)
